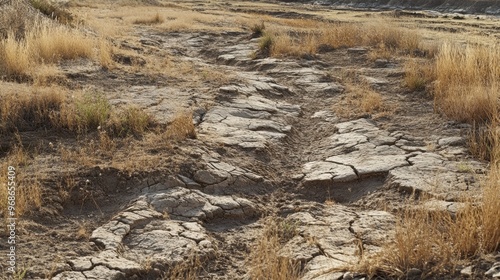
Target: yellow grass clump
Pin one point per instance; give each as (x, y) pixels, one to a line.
(181, 127)
(156, 19)
(19, 57)
(265, 261)
(467, 82)
(418, 74)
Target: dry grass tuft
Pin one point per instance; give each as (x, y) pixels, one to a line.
(28, 191)
(265, 260)
(87, 112)
(131, 120)
(187, 270)
(467, 86)
(360, 100)
(181, 127)
(418, 74)
(106, 52)
(156, 19)
(31, 110)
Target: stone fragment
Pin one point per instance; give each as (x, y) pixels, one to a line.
(367, 165)
(494, 271)
(208, 178)
(467, 271)
(320, 171)
(451, 141)
(358, 50)
(101, 272)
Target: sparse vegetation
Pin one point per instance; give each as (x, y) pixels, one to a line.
(419, 74)
(435, 242)
(181, 127)
(65, 117)
(308, 37)
(360, 100)
(156, 19)
(266, 260)
(258, 30)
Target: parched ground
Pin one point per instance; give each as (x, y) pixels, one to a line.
(281, 136)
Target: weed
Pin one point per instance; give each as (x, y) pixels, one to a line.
(181, 127)
(156, 19)
(91, 111)
(258, 30)
(265, 44)
(418, 74)
(265, 260)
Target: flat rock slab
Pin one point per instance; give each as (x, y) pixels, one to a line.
(161, 102)
(361, 150)
(247, 122)
(161, 227)
(337, 233)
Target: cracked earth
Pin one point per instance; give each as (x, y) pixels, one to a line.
(272, 117)
(269, 140)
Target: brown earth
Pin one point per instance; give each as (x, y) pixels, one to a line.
(275, 136)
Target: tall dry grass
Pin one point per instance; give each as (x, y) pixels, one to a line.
(42, 43)
(467, 82)
(419, 74)
(301, 37)
(35, 109)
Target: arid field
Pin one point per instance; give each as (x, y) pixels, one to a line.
(154, 139)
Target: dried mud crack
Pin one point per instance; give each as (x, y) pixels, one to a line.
(278, 131)
(274, 137)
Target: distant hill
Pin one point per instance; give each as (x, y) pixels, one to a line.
(490, 7)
